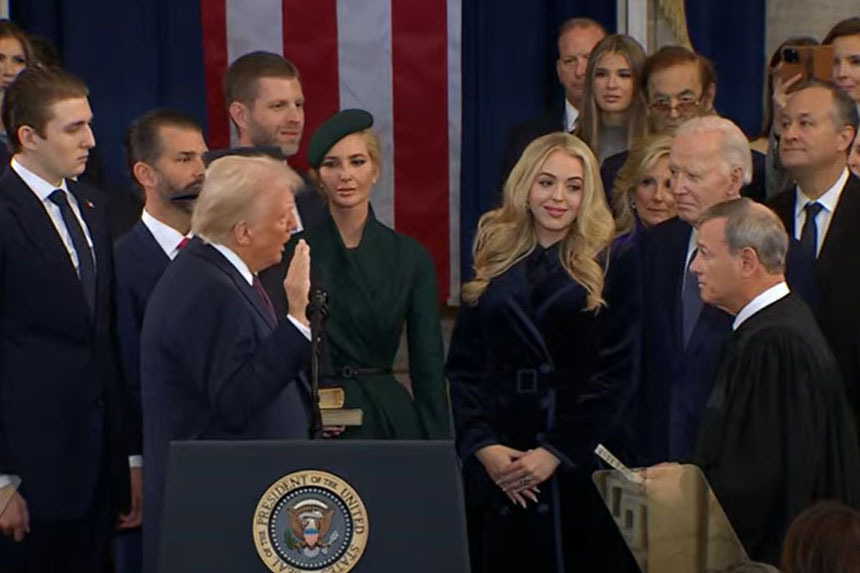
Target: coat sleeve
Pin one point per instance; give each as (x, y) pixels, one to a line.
(466, 369)
(588, 412)
(426, 351)
(129, 321)
(238, 374)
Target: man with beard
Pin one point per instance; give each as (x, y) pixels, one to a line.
(165, 155)
(266, 104)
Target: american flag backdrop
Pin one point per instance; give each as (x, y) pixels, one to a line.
(400, 60)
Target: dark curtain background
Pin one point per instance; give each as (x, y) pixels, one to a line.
(509, 53)
(133, 55)
(731, 34)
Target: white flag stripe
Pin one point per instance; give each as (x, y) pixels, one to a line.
(365, 72)
(454, 133)
(254, 25)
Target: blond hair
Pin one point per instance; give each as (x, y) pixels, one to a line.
(232, 191)
(642, 157)
(506, 235)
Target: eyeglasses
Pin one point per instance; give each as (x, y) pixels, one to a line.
(685, 104)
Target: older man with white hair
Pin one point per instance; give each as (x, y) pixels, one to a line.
(216, 363)
(777, 434)
(710, 162)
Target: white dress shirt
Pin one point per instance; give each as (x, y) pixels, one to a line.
(828, 200)
(246, 273)
(42, 190)
(763, 300)
(166, 236)
(571, 116)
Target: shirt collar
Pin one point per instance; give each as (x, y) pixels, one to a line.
(829, 199)
(39, 186)
(571, 115)
(763, 300)
(236, 261)
(166, 236)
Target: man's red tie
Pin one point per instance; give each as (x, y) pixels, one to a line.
(267, 302)
(182, 243)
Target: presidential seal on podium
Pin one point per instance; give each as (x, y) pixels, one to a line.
(310, 520)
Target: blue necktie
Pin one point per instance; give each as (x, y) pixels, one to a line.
(691, 301)
(86, 264)
(809, 234)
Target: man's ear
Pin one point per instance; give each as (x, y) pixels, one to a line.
(144, 174)
(239, 113)
(28, 137)
(242, 233)
(708, 96)
(846, 138)
(749, 261)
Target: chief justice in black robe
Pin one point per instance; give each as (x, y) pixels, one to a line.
(542, 357)
(776, 435)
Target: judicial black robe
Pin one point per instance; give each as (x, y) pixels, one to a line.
(530, 367)
(777, 434)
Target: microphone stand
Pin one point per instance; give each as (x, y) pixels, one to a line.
(317, 313)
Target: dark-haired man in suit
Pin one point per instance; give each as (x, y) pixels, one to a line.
(576, 38)
(823, 213)
(61, 405)
(165, 155)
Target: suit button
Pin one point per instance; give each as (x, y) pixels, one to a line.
(540, 436)
(100, 403)
(545, 369)
(542, 509)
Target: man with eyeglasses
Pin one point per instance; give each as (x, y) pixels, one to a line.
(680, 84)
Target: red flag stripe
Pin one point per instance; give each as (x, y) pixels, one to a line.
(420, 88)
(310, 42)
(213, 17)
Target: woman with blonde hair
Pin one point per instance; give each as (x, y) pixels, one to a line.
(642, 192)
(613, 109)
(542, 357)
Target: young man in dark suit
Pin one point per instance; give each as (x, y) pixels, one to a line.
(266, 104)
(576, 38)
(710, 162)
(165, 155)
(61, 405)
(822, 211)
(216, 363)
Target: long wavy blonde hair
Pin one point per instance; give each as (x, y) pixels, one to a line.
(506, 234)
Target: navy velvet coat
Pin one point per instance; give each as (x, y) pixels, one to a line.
(530, 367)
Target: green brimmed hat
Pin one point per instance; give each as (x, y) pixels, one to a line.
(334, 129)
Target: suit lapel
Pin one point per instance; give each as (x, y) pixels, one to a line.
(213, 256)
(513, 287)
(845, 220)
(783, 206)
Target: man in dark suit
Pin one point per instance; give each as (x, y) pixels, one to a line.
(61, 405)
(216, 363)
(710, 162)
(823, 213)
(265, 101)
(777, 434)
(680, 84)
(165, 154)
(576, 38)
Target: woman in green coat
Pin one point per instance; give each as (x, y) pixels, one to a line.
(378, 282)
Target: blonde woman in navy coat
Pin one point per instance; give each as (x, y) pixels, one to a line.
(542, 359)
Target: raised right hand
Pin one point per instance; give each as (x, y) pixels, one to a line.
(15, 520)
(297, 283)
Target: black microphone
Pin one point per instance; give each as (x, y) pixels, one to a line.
(317, 312)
